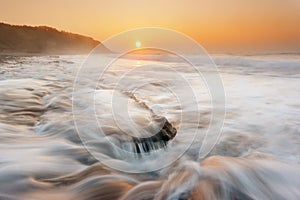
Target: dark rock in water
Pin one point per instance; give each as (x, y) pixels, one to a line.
(157, 141)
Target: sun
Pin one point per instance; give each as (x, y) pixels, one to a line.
(138, 44)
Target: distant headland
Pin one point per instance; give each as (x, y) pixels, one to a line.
(22, 39)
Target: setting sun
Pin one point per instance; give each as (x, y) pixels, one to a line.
(138, 44)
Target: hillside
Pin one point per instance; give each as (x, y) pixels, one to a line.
(43, 40)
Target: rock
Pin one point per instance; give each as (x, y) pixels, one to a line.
(157, 141)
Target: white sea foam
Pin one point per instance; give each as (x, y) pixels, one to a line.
(257, 156)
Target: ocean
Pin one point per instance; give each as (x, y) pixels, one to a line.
(231, 132)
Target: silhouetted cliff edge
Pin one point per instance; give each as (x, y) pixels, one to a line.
(43, 40)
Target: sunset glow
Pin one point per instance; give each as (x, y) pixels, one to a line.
(214, 24)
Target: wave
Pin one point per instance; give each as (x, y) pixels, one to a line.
(42, 156)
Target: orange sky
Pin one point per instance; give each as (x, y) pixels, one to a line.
(216, 24)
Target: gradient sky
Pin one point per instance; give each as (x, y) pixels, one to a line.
(216, 24)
